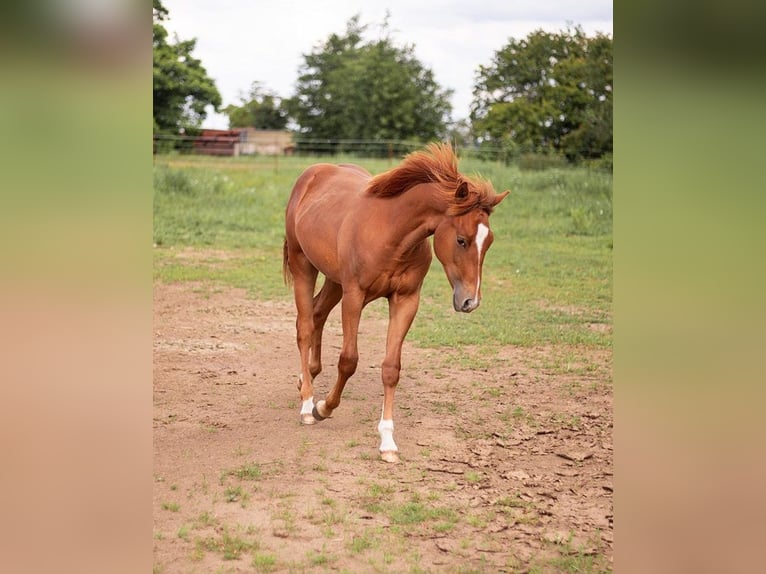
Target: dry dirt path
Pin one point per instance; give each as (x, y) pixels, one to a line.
(504, 469)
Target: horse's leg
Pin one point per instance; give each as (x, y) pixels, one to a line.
(304, 279)
(401, 312)
(351, 312)
(324, 302)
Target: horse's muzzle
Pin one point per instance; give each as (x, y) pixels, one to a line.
(463, 304)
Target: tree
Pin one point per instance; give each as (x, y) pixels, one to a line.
(548, 92)
(374, 90)
(182, 89)
(260, 108)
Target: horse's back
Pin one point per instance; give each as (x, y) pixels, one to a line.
(326, 179)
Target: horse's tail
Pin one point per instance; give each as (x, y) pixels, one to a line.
(288, 277)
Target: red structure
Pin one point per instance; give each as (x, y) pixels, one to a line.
(217, 142)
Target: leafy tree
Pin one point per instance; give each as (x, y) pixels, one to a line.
(547, 92)
(373, 90)
(182, 88)
(260, 108)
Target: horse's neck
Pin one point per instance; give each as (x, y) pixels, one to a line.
(421, 209)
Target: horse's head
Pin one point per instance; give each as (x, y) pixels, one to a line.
(460, 244)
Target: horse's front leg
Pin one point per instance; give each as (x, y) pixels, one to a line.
(401, 312)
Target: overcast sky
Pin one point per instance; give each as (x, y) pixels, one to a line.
(241, 41)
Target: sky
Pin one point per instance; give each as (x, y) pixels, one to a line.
(242, 41)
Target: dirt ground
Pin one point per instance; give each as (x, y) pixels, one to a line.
(506, 468)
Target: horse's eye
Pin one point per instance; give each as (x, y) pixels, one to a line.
(462, 242)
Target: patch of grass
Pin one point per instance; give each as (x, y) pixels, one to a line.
(204, 520)
(251, 471)
(518, 415)
(566, 420)
(321, 558)
(264, 562)
(231, 547)
(258, 271)
(478, 521)
(375, 496)
(235, 494)
(286, 515)
(417, 513)
(361, 542)
(443, 527)
(514, 502)
(171, 506)
(552, 251)
(473, 477)
(572, 560)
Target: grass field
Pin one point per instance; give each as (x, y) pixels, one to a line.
(547, 278)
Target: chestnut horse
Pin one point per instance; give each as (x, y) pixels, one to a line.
(369, 237)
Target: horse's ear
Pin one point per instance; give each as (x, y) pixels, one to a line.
(462, 190)
(500, 197)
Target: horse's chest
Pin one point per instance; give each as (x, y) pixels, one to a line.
(399, 277)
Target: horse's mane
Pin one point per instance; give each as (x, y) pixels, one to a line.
(435, 164)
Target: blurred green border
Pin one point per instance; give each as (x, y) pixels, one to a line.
(689, 195)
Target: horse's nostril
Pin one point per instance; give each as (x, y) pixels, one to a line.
(467, 304)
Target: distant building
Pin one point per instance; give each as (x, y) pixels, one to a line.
(244, 141)
(265, 142)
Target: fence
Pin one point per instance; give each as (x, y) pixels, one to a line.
(391, 149)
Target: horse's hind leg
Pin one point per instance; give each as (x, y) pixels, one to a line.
(351, 311)
(304, 279)
(324, 302)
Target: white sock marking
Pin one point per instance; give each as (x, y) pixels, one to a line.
(308, 406)
(386, 430)
(481, 235)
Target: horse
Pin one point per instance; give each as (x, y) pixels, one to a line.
(369, 237)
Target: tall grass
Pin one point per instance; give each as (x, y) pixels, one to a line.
(547, 277)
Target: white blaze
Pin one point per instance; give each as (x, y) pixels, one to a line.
(481, 235)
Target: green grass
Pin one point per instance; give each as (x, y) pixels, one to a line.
(230, 546)
(250, 471)
(547, 278)
(264, 562)
(415, 512)
(236, 494)
(171, 506)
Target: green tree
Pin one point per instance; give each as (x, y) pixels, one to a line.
(260, 108)
(182, 89)
(372, 90)
(547, 92)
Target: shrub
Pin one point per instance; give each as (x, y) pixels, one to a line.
(539, 161)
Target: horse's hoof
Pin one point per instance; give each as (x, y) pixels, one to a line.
(389, 455)
(308, 419)
(320, 408)
(316, 416)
